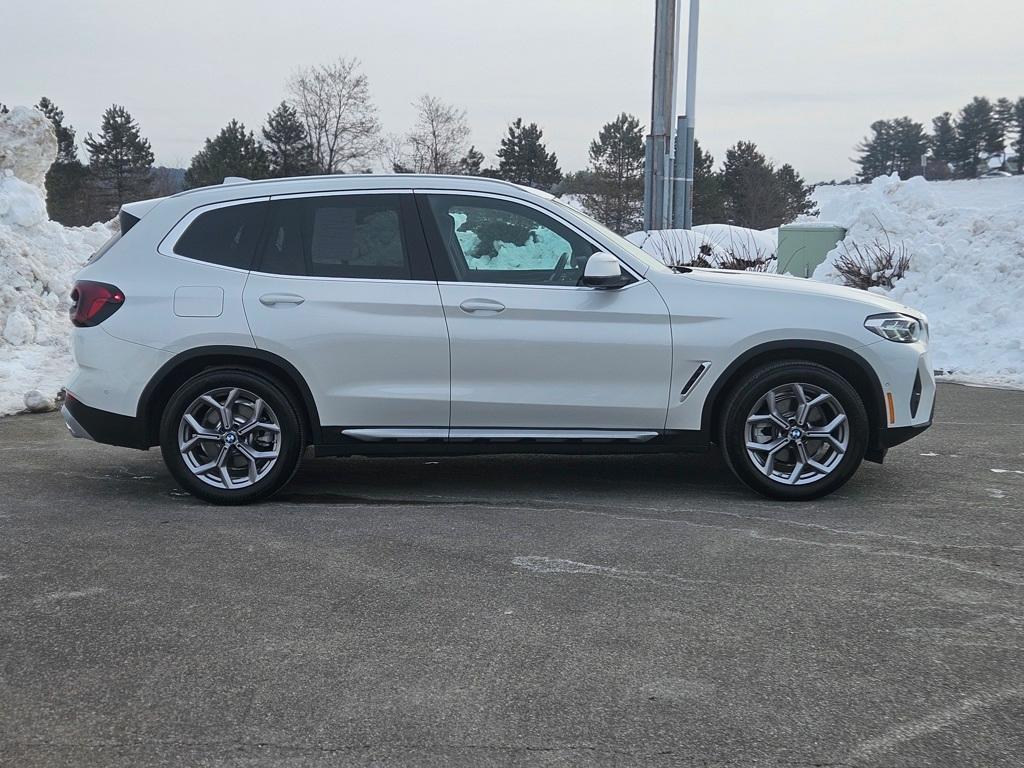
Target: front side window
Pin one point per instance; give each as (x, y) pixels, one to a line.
(226, 236)
(356, 236)
(497, 241)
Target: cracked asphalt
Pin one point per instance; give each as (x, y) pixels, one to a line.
(516, 610)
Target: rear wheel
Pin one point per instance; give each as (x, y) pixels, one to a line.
(231, 436)
(794, 430)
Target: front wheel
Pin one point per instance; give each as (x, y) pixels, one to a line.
(231, 436)
(794, 430)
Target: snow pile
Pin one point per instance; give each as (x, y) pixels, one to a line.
(966, 245)
(38, 259)
(677, 246)
(714, 243)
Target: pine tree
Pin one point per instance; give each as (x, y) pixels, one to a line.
(67, 151)
(978, 135)
(708, 199)
(796, 193)
(232, 152)
(289, 152)
(617, 186)
(119, 160)
(471, 163)
(3, 108)
(943, 141)
(1018, 127)
(896, 146)
(67, 187)
(523, 158)
(1003, 110)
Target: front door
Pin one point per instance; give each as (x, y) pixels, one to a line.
(530, 347)
(344, 290)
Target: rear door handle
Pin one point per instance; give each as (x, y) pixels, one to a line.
(272, 299)
(481, 305)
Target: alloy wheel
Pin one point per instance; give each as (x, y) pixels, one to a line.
(229, 438)
(797, 434)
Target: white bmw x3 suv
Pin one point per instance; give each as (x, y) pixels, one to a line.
(241, 325)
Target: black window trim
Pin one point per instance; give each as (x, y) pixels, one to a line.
(439, 253)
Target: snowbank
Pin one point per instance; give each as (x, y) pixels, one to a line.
(713, 243)
(38, 259)
(966, 243)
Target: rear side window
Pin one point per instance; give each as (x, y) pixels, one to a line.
(357, 236)
(226, 236)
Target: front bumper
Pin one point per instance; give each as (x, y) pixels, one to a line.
(887, 437)
(102, 426)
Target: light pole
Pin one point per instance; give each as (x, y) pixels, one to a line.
(658, 158)
(668, 163)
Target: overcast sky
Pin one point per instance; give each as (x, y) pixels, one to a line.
(802, 78)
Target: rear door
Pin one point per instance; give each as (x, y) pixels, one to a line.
(531, 348)
(344, 290)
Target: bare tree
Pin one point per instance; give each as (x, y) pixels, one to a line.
(333, 101)
(438, 142)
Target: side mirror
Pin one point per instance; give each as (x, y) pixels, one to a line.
(603, 271)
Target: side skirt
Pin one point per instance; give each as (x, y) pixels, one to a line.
(377, 441)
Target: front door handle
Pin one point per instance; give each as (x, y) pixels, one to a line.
(481, 305)
(272, 299)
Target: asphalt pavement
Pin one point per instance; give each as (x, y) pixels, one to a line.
(516, 610)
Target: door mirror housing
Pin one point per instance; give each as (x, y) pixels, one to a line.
(604, 271)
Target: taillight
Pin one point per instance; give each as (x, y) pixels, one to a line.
(92, 302)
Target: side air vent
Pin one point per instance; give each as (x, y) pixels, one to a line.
(696, 376)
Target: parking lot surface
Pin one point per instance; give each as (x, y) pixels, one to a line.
(516, 610)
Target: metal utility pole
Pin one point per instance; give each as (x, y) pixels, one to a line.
(658, 159)
(682, 208)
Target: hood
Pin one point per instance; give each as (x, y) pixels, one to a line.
(798, 286)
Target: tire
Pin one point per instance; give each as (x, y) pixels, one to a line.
(828, 437)
(259, 453)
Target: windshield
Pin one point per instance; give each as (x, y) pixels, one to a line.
(618, 240)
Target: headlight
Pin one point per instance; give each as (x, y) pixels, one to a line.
(895, 327)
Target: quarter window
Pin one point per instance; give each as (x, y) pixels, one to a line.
(497, 241)
(225, 236)
(356, 236)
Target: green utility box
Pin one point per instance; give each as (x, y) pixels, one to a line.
(802, 247)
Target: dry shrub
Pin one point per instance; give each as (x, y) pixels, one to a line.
(874, 264)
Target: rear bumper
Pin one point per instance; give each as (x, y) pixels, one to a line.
(103, 426)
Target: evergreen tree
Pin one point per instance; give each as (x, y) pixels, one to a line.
(943, 141)
(1018, 127)
(795, 192)
(119, 161)
(67, 151)
(232, 152)
(708, 198)
(289, 152)
(67, 180)
(1003, 110)
(524, 159)
(757, 195)
(471, 163)
(979, 134)
(895, 146)
(617, 163)
(3, 108)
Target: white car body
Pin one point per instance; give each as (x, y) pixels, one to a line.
(437, 364)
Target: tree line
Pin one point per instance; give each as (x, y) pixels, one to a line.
(327, 123)
(956, 147)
